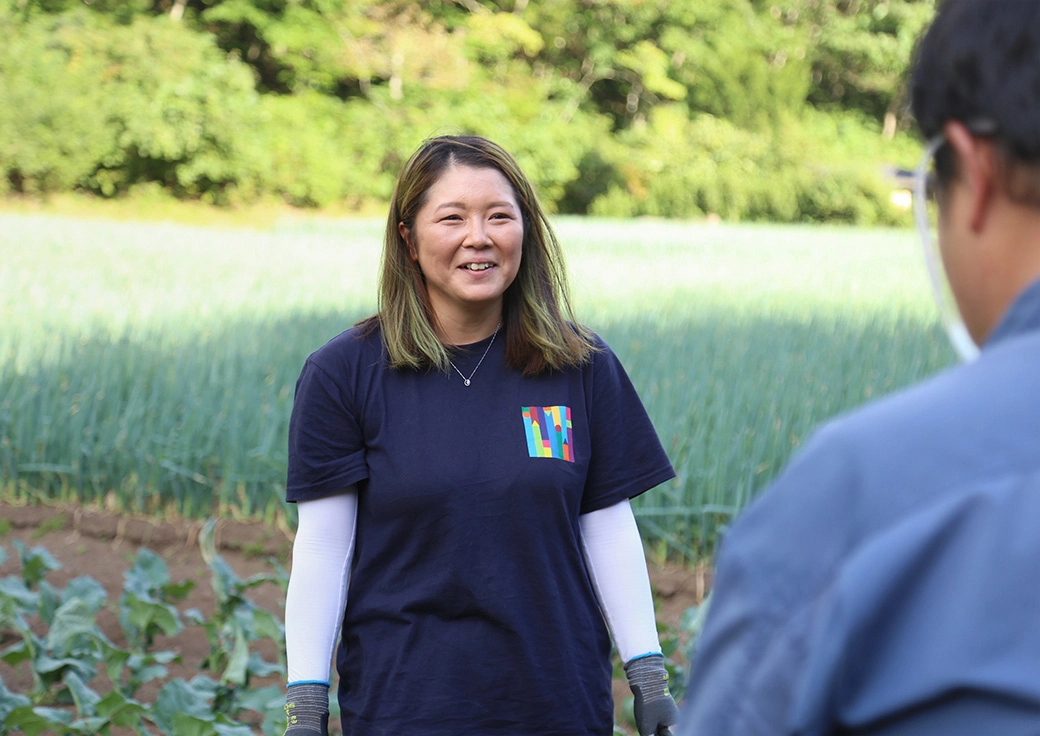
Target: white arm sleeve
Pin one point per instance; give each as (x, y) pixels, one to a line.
(617, 566)
(321, 556)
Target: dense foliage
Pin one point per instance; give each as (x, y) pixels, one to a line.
(784, 110)
(85, 684)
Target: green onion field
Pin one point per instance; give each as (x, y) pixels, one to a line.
(150, 367)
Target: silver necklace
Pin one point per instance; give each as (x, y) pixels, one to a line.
(465, 381)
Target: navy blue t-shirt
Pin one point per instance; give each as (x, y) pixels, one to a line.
(469, 609)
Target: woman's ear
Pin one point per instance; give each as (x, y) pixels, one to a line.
(406, 235)
(977, 167)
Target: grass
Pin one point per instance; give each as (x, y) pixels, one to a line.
(150, 366)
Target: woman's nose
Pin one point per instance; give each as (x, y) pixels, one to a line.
(477, 234)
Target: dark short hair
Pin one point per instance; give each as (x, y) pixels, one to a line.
(979, 64)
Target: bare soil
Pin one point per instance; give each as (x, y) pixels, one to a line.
(104, 546)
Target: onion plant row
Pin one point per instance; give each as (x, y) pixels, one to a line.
(150, 367)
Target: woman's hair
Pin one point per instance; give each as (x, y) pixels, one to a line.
(977, 64)
(540, 329)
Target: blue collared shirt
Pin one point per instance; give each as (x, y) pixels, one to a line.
(888, 582)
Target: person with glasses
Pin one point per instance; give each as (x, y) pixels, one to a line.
(888, 581)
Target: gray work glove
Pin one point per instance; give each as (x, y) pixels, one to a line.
(654, 708)
(307, 709)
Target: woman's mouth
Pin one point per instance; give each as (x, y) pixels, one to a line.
(478, 266)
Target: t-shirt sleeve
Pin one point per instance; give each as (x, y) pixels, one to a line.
(627, 458)
(326, 447)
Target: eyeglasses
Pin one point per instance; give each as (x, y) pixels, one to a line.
(926, 217)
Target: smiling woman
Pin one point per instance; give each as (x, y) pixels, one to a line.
(467, 240)
(444, 189)
(469, 534)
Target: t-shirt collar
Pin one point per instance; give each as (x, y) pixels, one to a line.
(1022, 316)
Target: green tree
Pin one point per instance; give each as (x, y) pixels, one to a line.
(52, 132)
(88, 103)
(738, 64)
(671, 107)
(860, 51)
(718, 56)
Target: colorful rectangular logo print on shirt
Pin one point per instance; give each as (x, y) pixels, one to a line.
(549, 432)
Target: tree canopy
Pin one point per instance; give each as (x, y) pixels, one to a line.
(749, 109)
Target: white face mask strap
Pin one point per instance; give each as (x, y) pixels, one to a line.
(962, 342)
(959, 337)
(921, 192)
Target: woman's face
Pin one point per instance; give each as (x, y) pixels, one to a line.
(467, 239)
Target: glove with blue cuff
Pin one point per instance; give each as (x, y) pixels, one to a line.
(307, 709)
(655, 710)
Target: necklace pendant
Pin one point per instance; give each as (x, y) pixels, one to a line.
(465, 381)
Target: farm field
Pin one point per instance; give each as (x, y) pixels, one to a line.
(104, 546)
(149, 368)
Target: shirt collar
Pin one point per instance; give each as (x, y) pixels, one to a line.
(1022, 316)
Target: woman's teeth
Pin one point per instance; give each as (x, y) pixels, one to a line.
(477, 266)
